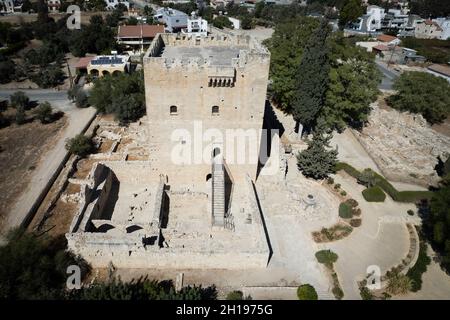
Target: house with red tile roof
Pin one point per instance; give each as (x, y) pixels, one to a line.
(137, 38)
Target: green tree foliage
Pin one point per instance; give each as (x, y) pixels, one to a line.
(318, 160)
(20, 115)
(367, 178)
(34, 267)
(419, 268)
(286, 46)
(222, 22)
(374, 194)
(435, 50)
(437, 224)
(7, 70)
(326, 257)
(79, 145)
(312, 77)
(97, 37)
(142, 289)
(307, 292)
(235, 295)
(19, 99)
(398, 283)
(44, 112)
(430, 8)
(345, 211)
(122, 95)
(49, 76)
(423, 93)
(353, 85)
(351, 11)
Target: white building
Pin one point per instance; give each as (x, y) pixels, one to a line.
(444, 24)
(236, 23)
(10, 6)
(174, 20)
(112, 4)
(196, 26)
(369, 23)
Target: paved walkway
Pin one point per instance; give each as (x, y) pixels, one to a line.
(381, 240)
(77, 120)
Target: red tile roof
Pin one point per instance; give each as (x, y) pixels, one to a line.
(83, 62)
(386, 38)
(140, 31)
(381, 47)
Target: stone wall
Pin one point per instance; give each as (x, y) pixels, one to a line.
(186, 86)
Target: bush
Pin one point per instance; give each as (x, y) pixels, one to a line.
(20, 115)
(365, 293)
(337, 292)
(410, 212)
(343, 193)
(337, 186)
(330, 180)
(419, 268)
(307, 292)
(345, 211)
(235, 295)
(356, 212)
(367, 178)
(352, 203)
(326, 257)
(399, 196)
(374, 194)
(79, 145)
(19, 99)
(355, 223)
(44, 112)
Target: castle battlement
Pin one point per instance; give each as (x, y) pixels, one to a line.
(227, 52)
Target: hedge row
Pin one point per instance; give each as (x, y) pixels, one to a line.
(400, 196)
(374, 194)
(419, 268)
(345, 211)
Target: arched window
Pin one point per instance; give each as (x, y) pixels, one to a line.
(173, 110)
(215, 110)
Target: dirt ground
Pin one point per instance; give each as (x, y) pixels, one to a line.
(21, 150)
(30, 17)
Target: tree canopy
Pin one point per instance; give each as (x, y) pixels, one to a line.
(423, 93)
(318, 160)
(123, 95)
(350, 11)
(312, 77)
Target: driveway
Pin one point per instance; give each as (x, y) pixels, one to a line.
(389, 75)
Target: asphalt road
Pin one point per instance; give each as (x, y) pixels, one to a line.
(389, 76)
(58, 99)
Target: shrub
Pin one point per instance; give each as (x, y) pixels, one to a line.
(79, 145)
(337, 292)
(374, 194)
(19, 99)
(337, 186)
(398, 283)
(410, 212)
(306, 292)
(235, 295)
(326, 257)
(345, 211)
(402, 196)
(352, 203)
(330, 180)
(419, 268)
(343, 193)
(365, 293)
(20, 115)
(44, 112)
(367, 178)
(355, 223)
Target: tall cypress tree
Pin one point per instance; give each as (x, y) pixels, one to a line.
(312, 78)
